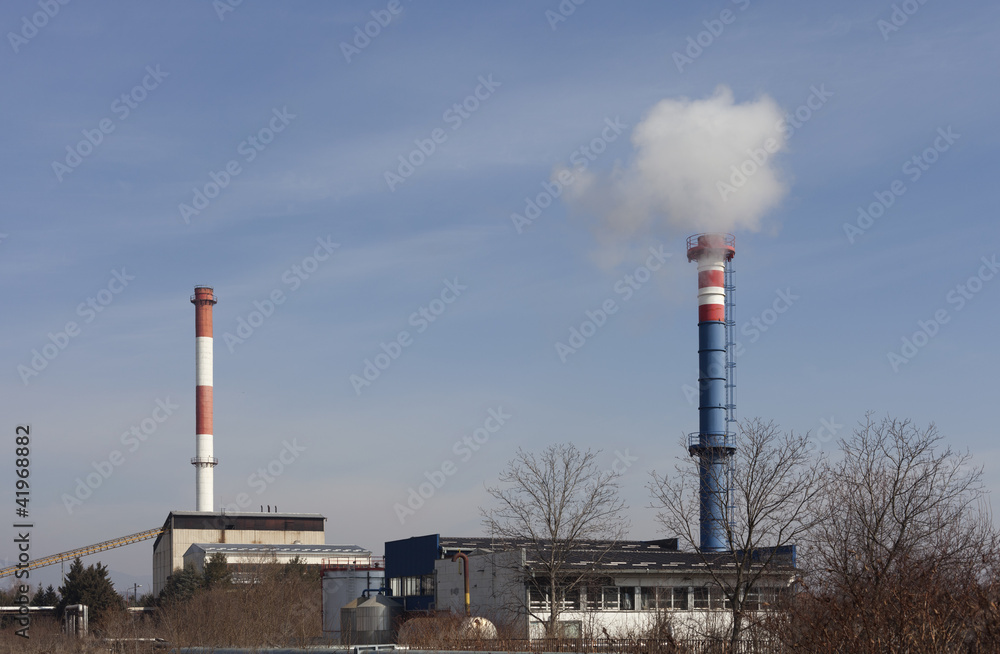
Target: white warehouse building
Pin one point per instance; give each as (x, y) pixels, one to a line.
(626, 586)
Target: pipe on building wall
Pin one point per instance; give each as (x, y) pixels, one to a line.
(468, 599)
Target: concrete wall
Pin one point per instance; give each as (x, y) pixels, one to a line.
(495, 592)
(624, 623)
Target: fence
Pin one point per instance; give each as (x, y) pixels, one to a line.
(614, 646)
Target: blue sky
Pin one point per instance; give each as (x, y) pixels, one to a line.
(550, 86)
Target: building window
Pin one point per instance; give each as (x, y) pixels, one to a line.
(679, 598)
(710, 597)
(761, 599)
(538, 599)
(571, 600)
(593, 598)
(664, 598)
(616, 598)
(756, 599)
(408, 586)
(626, 601)
(569, 628)
(602, 598)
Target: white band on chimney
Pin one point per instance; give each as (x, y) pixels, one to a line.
(711, 295)
(205, 488)
(203, 349)
(204, 446)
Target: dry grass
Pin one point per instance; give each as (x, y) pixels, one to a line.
(447, 631)
(274, 610)
(271, 611)
(45, 637)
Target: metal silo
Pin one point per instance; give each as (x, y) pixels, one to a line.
(370, 621)
(343, 583)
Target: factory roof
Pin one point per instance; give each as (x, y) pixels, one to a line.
(239, 548)
(245, 514)
(621, 555)
(241, 520)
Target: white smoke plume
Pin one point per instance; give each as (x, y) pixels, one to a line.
(698, 166)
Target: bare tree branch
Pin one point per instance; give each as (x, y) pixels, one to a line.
(553, 504)
(777, 486)
(907, 558)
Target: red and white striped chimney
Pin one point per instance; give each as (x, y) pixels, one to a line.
(203, 300)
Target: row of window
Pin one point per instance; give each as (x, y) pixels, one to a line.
(408, 586)
(623, 598)
(614, 598)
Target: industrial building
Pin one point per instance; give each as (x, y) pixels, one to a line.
(620, 586)
(182, 529)
(191, 536)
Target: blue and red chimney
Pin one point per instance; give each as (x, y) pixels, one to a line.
(713, 444)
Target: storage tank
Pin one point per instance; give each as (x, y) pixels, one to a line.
(370, 621)
(343, 583)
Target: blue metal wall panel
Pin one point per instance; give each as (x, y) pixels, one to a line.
(411, 557)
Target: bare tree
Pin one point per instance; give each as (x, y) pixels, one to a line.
(907, 557)
(556, 506)
(776, 489)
